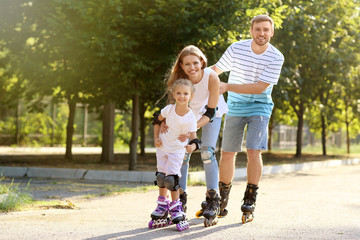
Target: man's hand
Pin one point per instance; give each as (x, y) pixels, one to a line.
(157, 142)
(190, 148)
(223, 87)
(184, 137)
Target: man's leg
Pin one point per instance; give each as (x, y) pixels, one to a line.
(231, 144)
(256, 140)
(227, 167)
(254, 166)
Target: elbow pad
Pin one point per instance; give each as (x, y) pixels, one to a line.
(156, 119)
(210, 112)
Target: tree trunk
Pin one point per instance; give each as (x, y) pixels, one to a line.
(323, 134)
(271, 126)
(134, 132)
(299, 131)
(107, 154)
(18, 125)
(70, 129)
(347, 132)
(142, 128)
(53, 117)
(85, 125)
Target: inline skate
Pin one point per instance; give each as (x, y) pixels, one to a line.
(249, 203)
(159, 217)
(183, 199)
(178, 216)
(224, 195)
(212, 208)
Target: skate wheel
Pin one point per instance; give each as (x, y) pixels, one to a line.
(210, 222)
(182, 225)
(247, 217)
(151, 224)
(243, 219)
(206, 222)
(223, 213)
(199, 213)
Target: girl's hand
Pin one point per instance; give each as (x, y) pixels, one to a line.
(190, 148)
(157, 142)
(184, 137)
(163, 127)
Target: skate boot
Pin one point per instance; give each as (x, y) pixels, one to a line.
(212, 209)
(183, 199)
(224, 194)
(178, 216)
(249, 200)
(159, 217)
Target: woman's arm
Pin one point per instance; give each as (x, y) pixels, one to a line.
(214, 88)
(157, 140)
(191, 147)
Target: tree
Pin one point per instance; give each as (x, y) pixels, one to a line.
(310, 43)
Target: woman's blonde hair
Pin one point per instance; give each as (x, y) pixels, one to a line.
(179, 82)
(176, 70)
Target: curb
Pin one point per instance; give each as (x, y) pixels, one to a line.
(149, 177)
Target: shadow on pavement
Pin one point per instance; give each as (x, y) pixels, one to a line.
(196, 230)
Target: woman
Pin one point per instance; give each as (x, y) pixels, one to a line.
(208, 107)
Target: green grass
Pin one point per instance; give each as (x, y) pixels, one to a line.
(110, 190)
(12, 198)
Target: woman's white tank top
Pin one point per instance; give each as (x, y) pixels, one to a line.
(201, 97)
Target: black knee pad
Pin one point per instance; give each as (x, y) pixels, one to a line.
(160, 179)
(172, 182)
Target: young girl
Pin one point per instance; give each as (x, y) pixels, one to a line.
(208, 107)
(170, 152)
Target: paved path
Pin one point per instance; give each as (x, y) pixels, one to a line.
(313, 204)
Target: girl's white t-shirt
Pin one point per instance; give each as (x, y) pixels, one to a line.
(177, 125)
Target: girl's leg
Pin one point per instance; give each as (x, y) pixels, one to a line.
(174, 195)
(210, 133)
(163, 192)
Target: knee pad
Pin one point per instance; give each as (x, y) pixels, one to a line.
(207, 154)
(172, 182)
(160, 179)
(186, 158)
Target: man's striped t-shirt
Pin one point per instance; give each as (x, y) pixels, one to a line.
(247, 67)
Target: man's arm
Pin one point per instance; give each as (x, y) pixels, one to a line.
(252, 88)
(216, 69)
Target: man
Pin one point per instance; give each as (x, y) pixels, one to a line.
(254, 66)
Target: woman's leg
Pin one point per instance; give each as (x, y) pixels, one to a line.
(210, 133)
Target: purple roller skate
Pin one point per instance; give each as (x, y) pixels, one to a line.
(178, 216)
(159, 217)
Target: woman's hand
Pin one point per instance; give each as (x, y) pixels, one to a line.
(163, 127)
(184, 137)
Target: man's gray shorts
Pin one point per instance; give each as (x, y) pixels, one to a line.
(256, 136)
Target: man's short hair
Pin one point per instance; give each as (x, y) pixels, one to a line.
(262, 18)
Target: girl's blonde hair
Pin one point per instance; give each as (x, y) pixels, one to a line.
(179, 82)
(176, 70)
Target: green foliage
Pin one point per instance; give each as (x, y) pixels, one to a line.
(36, 127)
(93, 51)
(12, 197)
